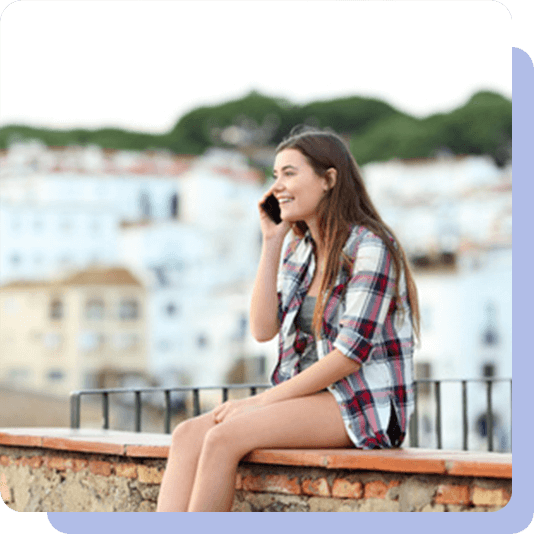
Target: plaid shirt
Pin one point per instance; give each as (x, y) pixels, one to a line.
(362, 321)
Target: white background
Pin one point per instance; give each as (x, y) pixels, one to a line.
(140, 65)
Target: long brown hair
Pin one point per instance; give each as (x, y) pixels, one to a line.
(345, 204)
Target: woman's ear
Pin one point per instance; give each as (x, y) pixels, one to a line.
(330, 178)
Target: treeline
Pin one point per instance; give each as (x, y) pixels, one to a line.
(376, 130)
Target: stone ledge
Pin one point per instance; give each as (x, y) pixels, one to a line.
(149, 445)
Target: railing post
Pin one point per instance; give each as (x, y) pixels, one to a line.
(414, 425)
(105, 410)
(167, 421)
(438, 412)
(196, 401)
(75, 405)
(464, 415)
(489, 415)
(138, 411)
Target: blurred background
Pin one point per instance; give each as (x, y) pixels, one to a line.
(136, 140)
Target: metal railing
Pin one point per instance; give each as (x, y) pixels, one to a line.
(436, 385)
(75, 401)
(435, 399)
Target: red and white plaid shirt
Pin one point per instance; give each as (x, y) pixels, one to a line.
(362, 321)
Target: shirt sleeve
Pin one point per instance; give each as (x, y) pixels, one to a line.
(287, 248)
(369, 294)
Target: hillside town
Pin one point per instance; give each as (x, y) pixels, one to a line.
(122, 268)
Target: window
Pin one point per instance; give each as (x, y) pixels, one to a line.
(129, 309)
(164, 345)
(56, 309)
(490, 336)
(52, 340)
(448, 259)
(421, 261)
(91, 341)
(94, 309)
(241, 328)
(175, 206)
(488, 370)
(19, 375)
(202, 341)
(145, 205)
(171, 309)
(55, 375)
(126, 341)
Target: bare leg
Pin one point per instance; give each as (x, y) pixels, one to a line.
(314, 421)
(187, 439)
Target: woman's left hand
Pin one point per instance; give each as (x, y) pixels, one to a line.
(231, 408)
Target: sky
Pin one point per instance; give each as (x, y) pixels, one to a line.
(141, 65)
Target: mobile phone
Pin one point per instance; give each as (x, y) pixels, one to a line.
(272, 208)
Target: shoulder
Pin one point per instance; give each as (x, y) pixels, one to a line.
(362, 237)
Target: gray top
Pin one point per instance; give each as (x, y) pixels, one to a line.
(304, 322)
(305, 315)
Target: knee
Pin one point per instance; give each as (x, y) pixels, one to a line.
(223, 440)
(188, 430)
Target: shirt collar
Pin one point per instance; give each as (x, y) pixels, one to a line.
(308, 239)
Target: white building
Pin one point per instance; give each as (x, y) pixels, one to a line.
(467, 334)
(51, 221)
(435, 204)
(200, 270)
(190, 233)
(420, 179)
(453, 216)
(41, 239)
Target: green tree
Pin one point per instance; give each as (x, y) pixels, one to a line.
(482, 126)
(378, 131)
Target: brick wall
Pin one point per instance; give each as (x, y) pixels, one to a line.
(38, 479)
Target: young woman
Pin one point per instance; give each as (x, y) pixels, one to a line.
(343, 301)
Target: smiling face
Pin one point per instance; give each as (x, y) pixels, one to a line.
(298, 188)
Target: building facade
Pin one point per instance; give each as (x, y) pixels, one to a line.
(81, 331)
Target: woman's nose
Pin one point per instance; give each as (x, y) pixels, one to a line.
(278, 185)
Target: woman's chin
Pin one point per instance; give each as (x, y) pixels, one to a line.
(286, 217)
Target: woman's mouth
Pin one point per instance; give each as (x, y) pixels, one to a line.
(284, 200)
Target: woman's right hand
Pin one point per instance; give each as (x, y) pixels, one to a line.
(264, 324)
(269, 228)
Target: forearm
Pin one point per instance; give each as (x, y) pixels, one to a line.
(333, 367)
(264, 304)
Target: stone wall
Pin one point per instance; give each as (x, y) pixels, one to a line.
(36, 479)
(262, 488)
